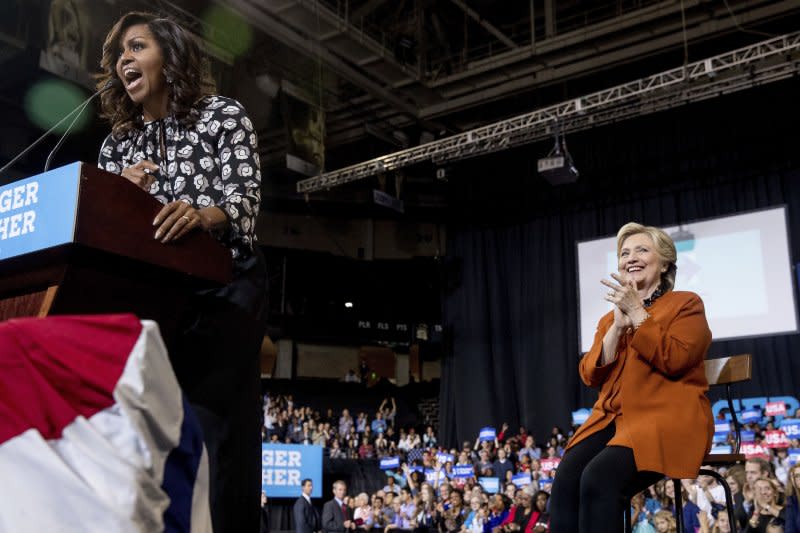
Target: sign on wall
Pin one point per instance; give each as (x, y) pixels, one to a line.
(284, 466)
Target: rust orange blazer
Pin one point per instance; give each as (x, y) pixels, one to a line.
(655, 387)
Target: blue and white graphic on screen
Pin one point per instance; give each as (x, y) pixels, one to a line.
(39, 212)
(285, 466)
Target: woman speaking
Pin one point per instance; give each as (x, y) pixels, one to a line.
(197, 154)
(652, 417)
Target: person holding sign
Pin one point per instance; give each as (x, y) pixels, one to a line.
(652, 417)
(197, 153)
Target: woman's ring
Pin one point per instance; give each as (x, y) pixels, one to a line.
(612, 293)
(187, 218)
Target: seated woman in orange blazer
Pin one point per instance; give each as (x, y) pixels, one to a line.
(652, 417)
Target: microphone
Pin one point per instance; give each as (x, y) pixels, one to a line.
(77, 112)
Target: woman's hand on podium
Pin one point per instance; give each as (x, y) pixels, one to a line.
(178, 218)
(141, 174)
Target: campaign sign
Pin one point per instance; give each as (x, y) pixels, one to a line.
(521, 480)
(431, 475)
(751, 415)
(549, 464)
(751, 449)
(747, 436)
(445, 458)
(463, 471)
(415, 468)
(791, 427)
(775, 438)
(490, 484)
(721, 449)
(487, 433)
(390, 463)
(794, 456)
(720, 437)
(775, 409)
(284, 466)
(722, 427)
(545, 484)
(791, 402)
(580, 416)
(39, 212)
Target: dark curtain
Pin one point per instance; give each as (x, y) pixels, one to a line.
(510, 303)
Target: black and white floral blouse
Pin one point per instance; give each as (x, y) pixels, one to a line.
(213, 162)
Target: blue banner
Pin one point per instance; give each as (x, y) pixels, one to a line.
(390, 463)
(580, 416)
(747, 436)
(751, 415)
(722, 427)
(522, 480)
(490, 484)
(415, 468)
(794, 456)
(720, 437)
(544, 482)
(791, 426)
(463, 471)
(39, 212)
(284, 466)
(721, 449)
(791, 403)
(487, 433)
(430, 475)
(445, 458)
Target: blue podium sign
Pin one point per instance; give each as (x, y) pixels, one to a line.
(284, 466)
(39, 212)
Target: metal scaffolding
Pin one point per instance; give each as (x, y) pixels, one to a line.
(764, 62)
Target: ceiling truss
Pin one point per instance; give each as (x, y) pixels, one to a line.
(764, 62)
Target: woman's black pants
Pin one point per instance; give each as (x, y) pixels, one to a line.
(593, 484)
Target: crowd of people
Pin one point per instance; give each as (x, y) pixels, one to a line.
(501, 483)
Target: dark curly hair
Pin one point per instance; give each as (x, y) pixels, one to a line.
(184, 65)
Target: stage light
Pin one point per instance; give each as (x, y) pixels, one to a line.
(348, 305)
(557, 168)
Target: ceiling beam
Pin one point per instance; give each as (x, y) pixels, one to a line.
(612, 52)
(274, 28)
(488, 26)
(368, 7)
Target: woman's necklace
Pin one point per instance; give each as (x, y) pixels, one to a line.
(647, 302)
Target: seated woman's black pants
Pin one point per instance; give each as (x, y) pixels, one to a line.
(593, 484)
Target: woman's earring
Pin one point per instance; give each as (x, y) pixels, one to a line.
(168, 78)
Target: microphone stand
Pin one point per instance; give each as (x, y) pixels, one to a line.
(38, 141)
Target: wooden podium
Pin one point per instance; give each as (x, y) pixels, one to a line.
(79, 240)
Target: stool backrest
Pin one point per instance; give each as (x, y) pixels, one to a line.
(725, 371)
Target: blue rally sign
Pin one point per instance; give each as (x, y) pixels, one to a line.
(284, 466)
(490, 484)
(39, 212)
(791, 426)
(487, 433)
(390, 463)
(463, 471)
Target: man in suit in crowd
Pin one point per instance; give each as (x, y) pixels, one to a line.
(306, 518)
(335, 513)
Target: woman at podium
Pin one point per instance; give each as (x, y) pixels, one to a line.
(196, 152)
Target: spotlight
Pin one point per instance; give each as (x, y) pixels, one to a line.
(348, 305)
(557, 168)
